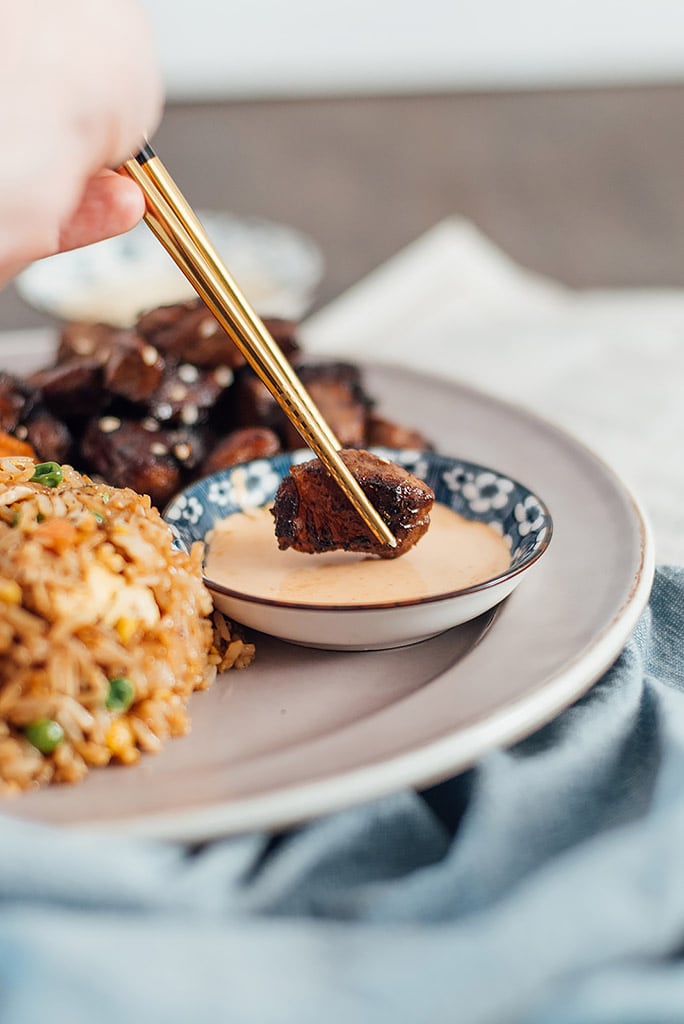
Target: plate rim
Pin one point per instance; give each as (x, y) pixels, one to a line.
(417, 767)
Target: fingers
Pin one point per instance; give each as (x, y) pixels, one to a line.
(114, 95)
(94, 93)
(110, 205)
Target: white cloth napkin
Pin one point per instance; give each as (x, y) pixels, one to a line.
(606, 365)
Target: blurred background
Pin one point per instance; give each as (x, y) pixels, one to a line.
(553, 127)
(266, 48)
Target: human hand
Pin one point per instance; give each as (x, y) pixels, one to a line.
(79, 93)
(109, 205)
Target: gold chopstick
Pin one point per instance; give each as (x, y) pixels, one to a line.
(177, 227)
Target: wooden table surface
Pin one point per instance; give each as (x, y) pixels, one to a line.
(586, 186)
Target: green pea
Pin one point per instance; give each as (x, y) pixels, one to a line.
(48, 473)
(120, 695)
(44, 734)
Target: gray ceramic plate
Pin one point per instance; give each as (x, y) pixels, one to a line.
(304, 732)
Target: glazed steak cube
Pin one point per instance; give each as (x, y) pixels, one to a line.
(188, 332)
(312, 513)
(241, 445)
(126, 454)
(335, 389)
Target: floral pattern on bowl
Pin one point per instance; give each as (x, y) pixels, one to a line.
(475, 492)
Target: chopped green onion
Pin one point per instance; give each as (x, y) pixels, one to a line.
(44, 734)
(120, 695)
(98, 517)
(48, 473)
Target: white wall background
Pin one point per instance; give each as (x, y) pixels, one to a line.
(265, 48)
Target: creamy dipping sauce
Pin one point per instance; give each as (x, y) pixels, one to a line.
(243, 555)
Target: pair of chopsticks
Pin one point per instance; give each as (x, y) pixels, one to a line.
(173, 221)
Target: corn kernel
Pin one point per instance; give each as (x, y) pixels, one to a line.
(119, 739)
(10, 592)
(126, 628)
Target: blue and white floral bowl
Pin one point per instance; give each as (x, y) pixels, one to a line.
(277, 267)
(475, 492)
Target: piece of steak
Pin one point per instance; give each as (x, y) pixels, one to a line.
(49, 436)
(336, 390)
(312, 513)
(187, 332)
(16, 401)
(79, 339)
(241, 445)
(134, 369)
(188, 393)
(125, 454)
(382, 432)
(73, 387)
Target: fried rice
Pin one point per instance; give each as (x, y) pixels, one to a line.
(105, 628)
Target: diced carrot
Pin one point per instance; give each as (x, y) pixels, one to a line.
(10, 446)
(56, 534)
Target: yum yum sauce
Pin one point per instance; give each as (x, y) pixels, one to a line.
(455, 553)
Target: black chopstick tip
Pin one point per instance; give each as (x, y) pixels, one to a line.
(145, 154)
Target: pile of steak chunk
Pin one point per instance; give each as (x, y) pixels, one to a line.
(171, 399)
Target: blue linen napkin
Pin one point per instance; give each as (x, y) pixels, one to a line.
(544, 886)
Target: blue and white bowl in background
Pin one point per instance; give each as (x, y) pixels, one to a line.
(277, 267)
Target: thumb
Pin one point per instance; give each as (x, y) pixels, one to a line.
(110, 205)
